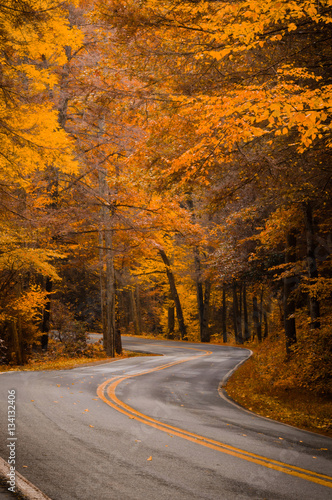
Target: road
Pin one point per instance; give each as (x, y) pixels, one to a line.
(156, 427)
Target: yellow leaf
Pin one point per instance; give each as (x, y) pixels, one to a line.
(292, 27)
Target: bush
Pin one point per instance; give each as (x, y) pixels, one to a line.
(68, 330)
(308, 367)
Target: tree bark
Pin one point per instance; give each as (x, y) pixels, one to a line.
(266, 325)
(203, 300)
(199, 289)
(110, 295)
(236, 317)
(117, 329)
(170, 322)
(257, 325)
(175, 296)
(134, 313)
(245, 313)
(314, 306)
(109, 330)
(205, 331)
(138, 308)
(102, 281)
(261, 306)
(224, 315)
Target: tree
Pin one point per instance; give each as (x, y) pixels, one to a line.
(244, 106)
(174, 294)
(32, 43)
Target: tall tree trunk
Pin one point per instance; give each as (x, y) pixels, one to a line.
(102, 281)
(203, 290)
(257, 326)
(266, 325)
(174, 294)
(236, 317)
(245, 313)
(314, 305)
(203, 299)
(117, 329)
(205, 332)
(224, 314)
(53, 188)
(170, 322)
(138, 308)
(110, 295)
(235, 313)
(261, 306)
(134, 314)
(289, 303)
(199, 289)
(109, 331)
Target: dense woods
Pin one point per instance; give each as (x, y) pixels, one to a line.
(166, 169)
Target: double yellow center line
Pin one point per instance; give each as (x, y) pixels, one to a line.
(106, 392)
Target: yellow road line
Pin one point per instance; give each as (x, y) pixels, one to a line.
(109, 387)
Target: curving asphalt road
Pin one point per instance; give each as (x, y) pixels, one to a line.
(156, 427)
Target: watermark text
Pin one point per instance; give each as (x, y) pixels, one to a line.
(11, 440)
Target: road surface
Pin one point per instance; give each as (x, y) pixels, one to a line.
(154, 428)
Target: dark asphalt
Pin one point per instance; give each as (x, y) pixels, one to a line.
(72, 445)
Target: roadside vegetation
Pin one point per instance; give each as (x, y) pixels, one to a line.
(274, 386)
(58, 357)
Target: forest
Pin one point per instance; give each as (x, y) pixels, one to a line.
(166, 170)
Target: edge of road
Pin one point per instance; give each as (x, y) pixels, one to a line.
(23, 487)
(228, 375)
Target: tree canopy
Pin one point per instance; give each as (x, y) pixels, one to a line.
(166, 161)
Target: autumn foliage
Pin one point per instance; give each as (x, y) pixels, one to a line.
(165, 169)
